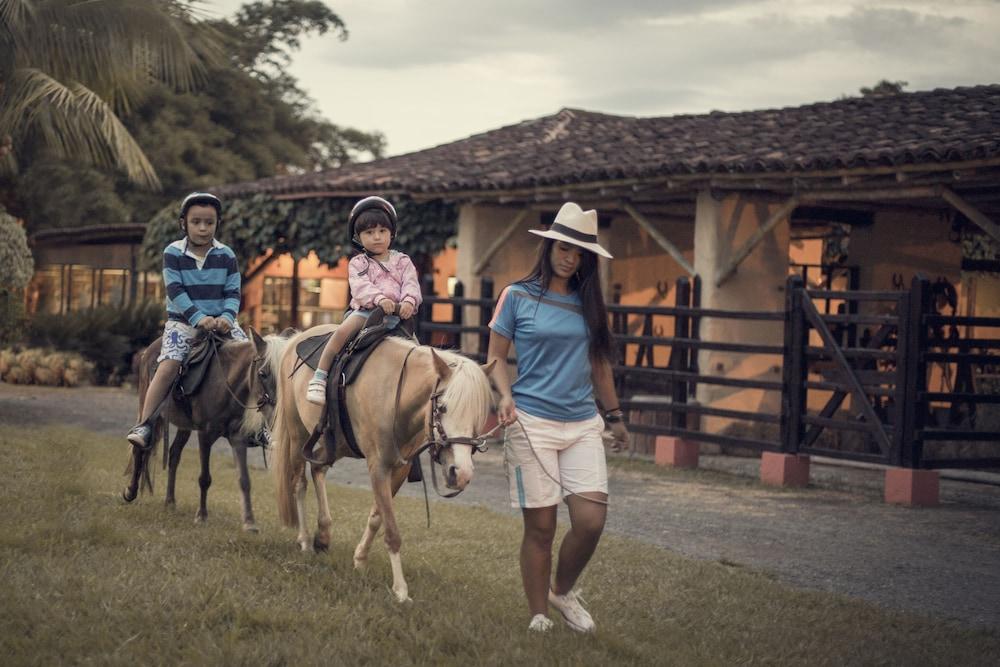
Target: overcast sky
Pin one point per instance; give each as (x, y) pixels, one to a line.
(427, 72)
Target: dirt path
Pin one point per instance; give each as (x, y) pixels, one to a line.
(942, 562)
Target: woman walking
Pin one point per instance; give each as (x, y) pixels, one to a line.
(556, 319)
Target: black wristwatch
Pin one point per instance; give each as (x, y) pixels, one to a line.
(614, 416)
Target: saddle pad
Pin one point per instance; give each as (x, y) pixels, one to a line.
(310, 349)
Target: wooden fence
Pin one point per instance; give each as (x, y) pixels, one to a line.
(867, 364)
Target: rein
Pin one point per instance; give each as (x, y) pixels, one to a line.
(265, 398)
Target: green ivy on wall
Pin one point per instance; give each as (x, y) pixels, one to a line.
(255, 224)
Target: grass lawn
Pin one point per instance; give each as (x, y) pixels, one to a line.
(85, 578)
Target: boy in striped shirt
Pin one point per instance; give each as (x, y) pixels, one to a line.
(202, 281)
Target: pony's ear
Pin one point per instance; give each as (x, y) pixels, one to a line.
(258, 342)
(488, 368)
(443, 371)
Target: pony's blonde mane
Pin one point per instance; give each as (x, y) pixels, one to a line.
(253, 419)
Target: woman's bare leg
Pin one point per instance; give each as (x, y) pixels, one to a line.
(586, 525)
(536, 556)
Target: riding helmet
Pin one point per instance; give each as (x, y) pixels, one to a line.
(367, 204)
(201, 199)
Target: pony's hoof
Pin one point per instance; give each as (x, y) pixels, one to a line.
(170, 505)
(319, 544)
(250, 527)
(305, 546)
(129, 496)
(402, 597)
(360, 563)
(200, 518)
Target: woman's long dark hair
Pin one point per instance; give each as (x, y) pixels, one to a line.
(586, 282)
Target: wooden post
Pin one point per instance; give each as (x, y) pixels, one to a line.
(500, 241)
(295, 293)
(794, 368)
(456, 312)
(903, 406)
(971, 212)
(678, 394)
(779, 214)
(695, 328)
(912, 374)
(426, 313)
(485, 315)
(655, 234)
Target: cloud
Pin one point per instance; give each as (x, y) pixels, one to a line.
(437, 70)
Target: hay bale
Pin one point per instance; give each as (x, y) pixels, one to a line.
(78, 371)
(6, 361)
(28, 361)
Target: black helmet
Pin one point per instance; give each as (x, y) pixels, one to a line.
(201, 199)
(367, 204)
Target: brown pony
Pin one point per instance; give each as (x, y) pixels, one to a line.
(405, 396)
(234, 401)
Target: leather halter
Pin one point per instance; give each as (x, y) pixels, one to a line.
(437, 437)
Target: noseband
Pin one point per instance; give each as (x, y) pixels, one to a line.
(437, 437)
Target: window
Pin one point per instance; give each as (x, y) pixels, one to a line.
(81, 287)
(112, 287)
(321, 301)
(46, 290)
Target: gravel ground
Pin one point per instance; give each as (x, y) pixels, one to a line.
(835, 536)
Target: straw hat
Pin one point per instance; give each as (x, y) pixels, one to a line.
(576, 226)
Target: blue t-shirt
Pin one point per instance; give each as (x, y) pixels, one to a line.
(553, 358)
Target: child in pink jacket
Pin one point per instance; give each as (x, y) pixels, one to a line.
(379, 277)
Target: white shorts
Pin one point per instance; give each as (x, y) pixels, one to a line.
(178, 337)
(570, 452)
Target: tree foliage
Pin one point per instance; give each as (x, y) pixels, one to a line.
(884, 87)
(243, 119)
(15, 257)
(67, 68)
(255, 224)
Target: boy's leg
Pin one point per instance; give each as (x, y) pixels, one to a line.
(316, 392)
(162, 380)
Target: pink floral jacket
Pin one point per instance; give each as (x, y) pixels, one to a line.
(372, 281)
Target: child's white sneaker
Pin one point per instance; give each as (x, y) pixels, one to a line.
(540, 623)
(316, 391)
(574, 614)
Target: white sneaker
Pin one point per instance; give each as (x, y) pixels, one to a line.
(540, 623)
(316, 391)
(574, 614)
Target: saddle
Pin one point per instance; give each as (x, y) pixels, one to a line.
(199, 360)
(346, 368)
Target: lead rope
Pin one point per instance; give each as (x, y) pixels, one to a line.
(542, 466)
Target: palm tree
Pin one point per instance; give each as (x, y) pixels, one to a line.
(68, 68)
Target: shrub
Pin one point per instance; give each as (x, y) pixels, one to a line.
(107, 337)
(18, 267)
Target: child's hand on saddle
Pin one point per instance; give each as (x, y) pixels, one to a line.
(222, 325)
(388, 306)
(405, 310)
(207, 323)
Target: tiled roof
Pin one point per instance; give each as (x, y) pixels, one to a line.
(120, 233)
(577, 146)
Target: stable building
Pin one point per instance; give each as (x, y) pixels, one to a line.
(858, 193)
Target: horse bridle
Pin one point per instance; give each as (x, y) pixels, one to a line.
(437, 437)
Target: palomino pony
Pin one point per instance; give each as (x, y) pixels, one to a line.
(405, 397)
(235, 400)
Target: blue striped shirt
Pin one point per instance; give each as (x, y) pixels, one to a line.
(194, 293)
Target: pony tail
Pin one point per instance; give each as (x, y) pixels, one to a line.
(285, 454)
